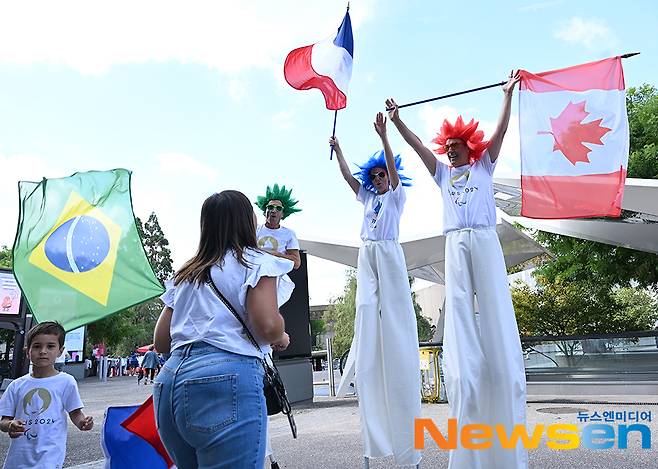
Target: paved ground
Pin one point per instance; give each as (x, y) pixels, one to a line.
(329, 431)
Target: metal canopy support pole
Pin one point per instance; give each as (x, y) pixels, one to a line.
(330, 367)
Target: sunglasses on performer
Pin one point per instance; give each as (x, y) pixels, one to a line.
(272, 208)
(380, 175)
(451, 146)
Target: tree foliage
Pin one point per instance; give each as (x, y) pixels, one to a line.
(156, 247)
(642, 106)
(5, 257)
(577, 308)
(342, 313)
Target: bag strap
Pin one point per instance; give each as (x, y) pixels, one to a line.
(235, 313)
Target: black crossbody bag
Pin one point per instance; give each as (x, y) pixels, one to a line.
(273, 389)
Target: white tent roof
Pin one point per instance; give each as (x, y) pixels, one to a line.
(637, 232)
(426, 257)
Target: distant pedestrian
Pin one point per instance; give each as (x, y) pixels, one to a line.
(149, 364)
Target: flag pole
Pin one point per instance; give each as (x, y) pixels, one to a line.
(333, 132)
(333, 135)
(472, 90)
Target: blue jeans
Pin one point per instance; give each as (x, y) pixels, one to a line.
(210, 409)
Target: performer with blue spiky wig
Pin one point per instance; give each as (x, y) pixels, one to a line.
(383, 360)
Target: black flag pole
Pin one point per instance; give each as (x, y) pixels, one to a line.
(333, 135)
(472, 90)
(333, 132)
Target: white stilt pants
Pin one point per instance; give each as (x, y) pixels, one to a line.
(484, 370)
(384, 357)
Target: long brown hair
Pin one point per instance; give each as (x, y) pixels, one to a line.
(227, 224)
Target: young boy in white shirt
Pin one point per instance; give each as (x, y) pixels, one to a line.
(34, 406)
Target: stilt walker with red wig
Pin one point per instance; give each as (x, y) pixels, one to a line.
(483, 363)
(383, 358)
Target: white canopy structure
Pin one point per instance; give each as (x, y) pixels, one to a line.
(426, 257)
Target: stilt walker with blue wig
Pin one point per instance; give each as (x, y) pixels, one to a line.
(383, 359)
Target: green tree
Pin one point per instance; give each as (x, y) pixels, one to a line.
(642, 106)
(5, 257)
(157, 248)
(6, 335)
(318, 326)
(563, 307)
(577, 260)
(342, 313)
(425, 328)
(636, 307)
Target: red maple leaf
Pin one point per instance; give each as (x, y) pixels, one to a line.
(570, 133)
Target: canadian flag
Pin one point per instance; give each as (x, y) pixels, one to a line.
(574, 141)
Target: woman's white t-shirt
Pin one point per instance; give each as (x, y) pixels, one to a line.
(467, 193)
(199, 315)
(381, 213)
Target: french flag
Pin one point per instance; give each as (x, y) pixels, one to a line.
(325, 65)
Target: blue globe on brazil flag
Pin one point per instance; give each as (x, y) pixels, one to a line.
(78, 245)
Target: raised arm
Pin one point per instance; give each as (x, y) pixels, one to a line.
(344, 168)
(380, 128)
(496, 140)
(426, 155)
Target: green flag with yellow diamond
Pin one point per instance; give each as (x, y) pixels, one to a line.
(77, 254)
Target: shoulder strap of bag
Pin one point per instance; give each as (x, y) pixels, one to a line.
(235, 313)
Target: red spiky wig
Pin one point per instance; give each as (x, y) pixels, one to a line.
(466, 132)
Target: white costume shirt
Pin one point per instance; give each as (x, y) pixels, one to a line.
(381, 213)
(43, 404)
(280, 239)
(467, 193)
(199, 315)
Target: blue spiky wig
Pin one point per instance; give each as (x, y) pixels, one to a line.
(378, 160)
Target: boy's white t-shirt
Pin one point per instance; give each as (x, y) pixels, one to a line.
(467, 192)
(381, 213)
(280, 239)
(43, 404)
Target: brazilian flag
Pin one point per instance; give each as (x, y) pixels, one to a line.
(77, 254)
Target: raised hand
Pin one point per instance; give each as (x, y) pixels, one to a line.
(380, 124)
(514, 78)
(394, 113)
(333, 141)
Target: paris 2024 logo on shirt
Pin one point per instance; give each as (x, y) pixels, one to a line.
(36, 402)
